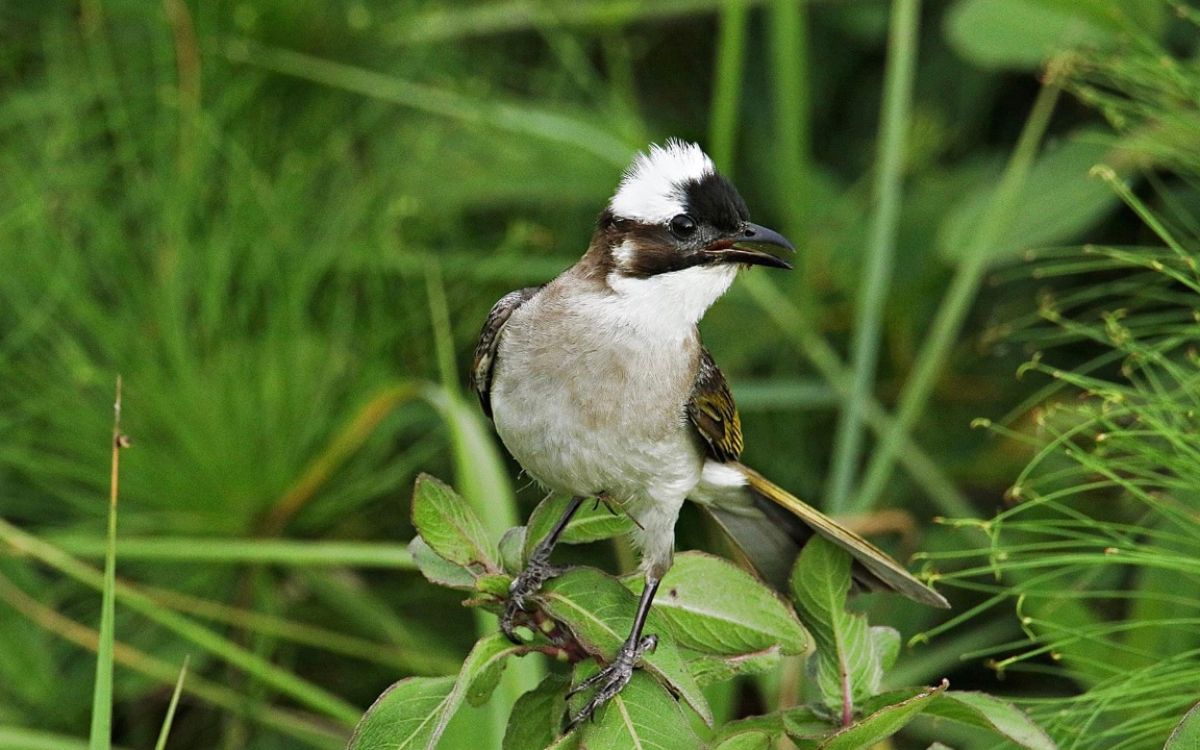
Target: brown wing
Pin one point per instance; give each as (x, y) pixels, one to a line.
(489, 339)
(713, 412)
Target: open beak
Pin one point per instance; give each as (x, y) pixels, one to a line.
(742, 247)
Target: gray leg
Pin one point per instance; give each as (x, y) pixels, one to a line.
(617, 674)
(537, 571)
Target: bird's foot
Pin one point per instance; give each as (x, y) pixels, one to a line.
(612, 678)
(529, 582)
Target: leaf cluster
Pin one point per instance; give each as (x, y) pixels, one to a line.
(714, 622)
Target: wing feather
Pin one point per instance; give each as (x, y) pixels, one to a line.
(713, 413)
(489, 340)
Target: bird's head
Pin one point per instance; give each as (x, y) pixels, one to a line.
(673, 211)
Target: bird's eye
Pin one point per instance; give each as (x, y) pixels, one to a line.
(683, 226)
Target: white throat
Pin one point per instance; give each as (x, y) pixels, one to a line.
(672, 302)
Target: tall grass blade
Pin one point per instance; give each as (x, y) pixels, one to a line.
(727, 88)
(881, 249)
(100, 737)
(954, 307)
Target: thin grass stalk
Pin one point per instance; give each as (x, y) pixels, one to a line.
(788, 31)
(931, 360)
(881, 246)
(198, 550)
(727, 87)
(100, 735)
(170, 717)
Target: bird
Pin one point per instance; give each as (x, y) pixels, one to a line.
(598, 384)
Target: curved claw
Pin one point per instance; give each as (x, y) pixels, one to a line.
(522, 589)
(612, 679)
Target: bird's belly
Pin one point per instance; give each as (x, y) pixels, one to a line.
(581, 425)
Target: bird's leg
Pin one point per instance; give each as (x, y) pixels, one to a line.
(537, 571)
(617, 674)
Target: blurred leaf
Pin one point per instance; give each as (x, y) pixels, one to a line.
(1186, 736)
(995, 715)
(599, 611)
(718, 608)
(881, 724)
(537, 717)
(512, 549)
(885, 644)
(1059, 201)
(592, 522)
(449, 526)
(847, 667)
(643, 715)
(414, 712)
(1023, 34)
(748, 740)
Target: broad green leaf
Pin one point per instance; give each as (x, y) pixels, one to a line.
(710, 669)
(537, 717)
(798, 722)
(403, 716)
(749, 740)
(438, 569)
(1022, 34)
(1060, 200)
(599, 611)
(716, 607)
(643, 715)
(846, 668)
(414, 712)
(990, 713)
(449, 526)
(595, 520)
(885, 643)
(881, 724)
(1186, 734)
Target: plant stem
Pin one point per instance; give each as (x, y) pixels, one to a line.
(881, 247)
(931, 360)
(727, 89)
(100, 737)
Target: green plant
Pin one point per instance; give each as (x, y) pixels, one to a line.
(714, 622)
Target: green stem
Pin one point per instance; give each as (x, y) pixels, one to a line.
(931, 360)
(788, 30)
(727, 88)
(881, 247)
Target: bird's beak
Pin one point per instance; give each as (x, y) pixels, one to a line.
(740, 247)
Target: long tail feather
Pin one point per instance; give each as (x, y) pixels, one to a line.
(769, 525)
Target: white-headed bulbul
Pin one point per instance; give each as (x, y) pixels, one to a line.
(597, 383)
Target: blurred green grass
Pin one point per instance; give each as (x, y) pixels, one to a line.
(283, 224)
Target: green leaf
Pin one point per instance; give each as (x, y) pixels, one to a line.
(537, 716)
(438, 569)
(1186, 734)
(512, 550)
(449, 526)
(1060, 201)
(1022, 34)
(710, 669)
(414, 712)
(847, 667)
(716, 607)
(748, 740)
(405, 713)
(643, 715)
(885, 644)
(881, 724)
(599, 612)
(798, 722)
(995, 715)
(592, 522)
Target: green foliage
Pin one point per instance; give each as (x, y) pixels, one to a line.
(713, 621)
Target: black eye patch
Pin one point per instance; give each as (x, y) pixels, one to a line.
(713, 200)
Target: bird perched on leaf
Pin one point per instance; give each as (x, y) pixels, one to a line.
(597, 383)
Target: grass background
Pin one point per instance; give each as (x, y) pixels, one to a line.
(283, 223)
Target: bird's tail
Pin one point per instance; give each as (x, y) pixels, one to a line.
(769, 525)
